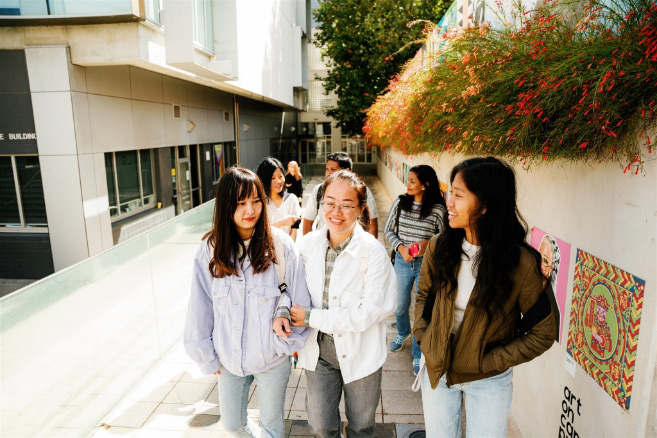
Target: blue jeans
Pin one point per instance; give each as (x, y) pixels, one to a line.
(234, 398)
(407, 274)
(487, 405)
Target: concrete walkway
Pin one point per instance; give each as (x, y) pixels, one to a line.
(175, 400)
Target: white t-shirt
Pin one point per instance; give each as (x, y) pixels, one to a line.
(310, 211)
(290, 206)
(466, 283)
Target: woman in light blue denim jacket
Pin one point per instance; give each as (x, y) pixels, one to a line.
(229, 330)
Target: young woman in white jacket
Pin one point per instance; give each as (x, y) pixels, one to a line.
(353, 290)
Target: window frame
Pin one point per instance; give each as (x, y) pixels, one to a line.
(143, 207)
(23, 227)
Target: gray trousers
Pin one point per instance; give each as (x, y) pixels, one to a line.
(324, 389)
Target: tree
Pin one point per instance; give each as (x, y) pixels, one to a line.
(364, 44)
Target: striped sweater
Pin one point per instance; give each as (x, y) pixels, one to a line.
(411, 228)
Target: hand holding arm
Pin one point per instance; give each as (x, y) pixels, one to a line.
(403, 250)
(287, 221)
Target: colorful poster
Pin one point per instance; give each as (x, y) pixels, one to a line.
(555, 260)
(218, 160)
(604, 324)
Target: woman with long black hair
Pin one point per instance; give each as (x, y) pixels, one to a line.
(477, 278)
(235, 292)
(283, 208)
(414, 218)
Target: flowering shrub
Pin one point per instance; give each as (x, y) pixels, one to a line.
(575, 83)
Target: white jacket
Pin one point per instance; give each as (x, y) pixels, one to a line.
(362, 294)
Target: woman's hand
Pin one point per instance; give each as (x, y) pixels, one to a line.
(297, 313)
(404, 253)
(287, 221)
(282, 328)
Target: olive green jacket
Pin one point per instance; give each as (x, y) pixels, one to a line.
(481, 347)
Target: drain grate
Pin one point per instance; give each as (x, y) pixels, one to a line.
(410, 431)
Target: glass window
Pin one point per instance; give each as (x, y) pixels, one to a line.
(203, 35)
(147, 176)
(9, 215)
(152, 10)
(127, 175)
(111, 184)
(31, 210)
(134, 185)
(29, 177)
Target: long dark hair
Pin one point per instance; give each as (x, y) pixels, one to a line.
(224, 242)
(351, 179)
(265, 172)
(432, 194)
(500, 230)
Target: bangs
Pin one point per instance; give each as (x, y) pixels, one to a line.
(246, 189)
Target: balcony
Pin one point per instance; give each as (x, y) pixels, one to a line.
(69, 12)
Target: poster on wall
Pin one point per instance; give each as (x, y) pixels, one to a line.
(219, 160)
(604, 324)
(555, 260)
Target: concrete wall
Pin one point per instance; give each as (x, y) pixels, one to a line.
(82, 112)
(266, 38)
(264, 124)
(613, 216)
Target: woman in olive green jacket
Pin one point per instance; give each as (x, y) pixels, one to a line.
(477, 277)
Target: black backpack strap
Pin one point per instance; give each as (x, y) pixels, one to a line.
(320, 193)
(397, 216)
(537, 313)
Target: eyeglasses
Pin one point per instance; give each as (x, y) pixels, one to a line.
(328, 207)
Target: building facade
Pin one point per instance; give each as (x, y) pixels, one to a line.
(117, 115)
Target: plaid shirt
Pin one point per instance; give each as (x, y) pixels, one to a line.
(331, 255)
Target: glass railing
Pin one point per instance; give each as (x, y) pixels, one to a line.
(73, 344)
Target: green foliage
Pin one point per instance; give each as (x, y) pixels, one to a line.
(365, 43)
(566, 83)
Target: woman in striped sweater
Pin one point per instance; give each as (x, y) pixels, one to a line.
(414, 218)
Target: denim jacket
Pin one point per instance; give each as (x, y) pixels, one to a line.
(229, 319)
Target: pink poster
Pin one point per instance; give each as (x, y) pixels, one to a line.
(555, 259)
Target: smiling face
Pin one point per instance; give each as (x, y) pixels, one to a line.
(340, 223)
(277, 182)
(414, 187)
(462, 207)
(331, 168)
(247, 214)
(546, 256)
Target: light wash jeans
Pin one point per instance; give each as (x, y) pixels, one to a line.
(487, 405)
(234, 398)
(408, 274)
(324, 388)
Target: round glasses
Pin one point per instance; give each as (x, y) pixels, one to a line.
(328, 207)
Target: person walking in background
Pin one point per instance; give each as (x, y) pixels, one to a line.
(311, 214)
(414, 218)
(353, 290)
(282, 208)
(235, 291)
(294, 180)
(477, 278)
